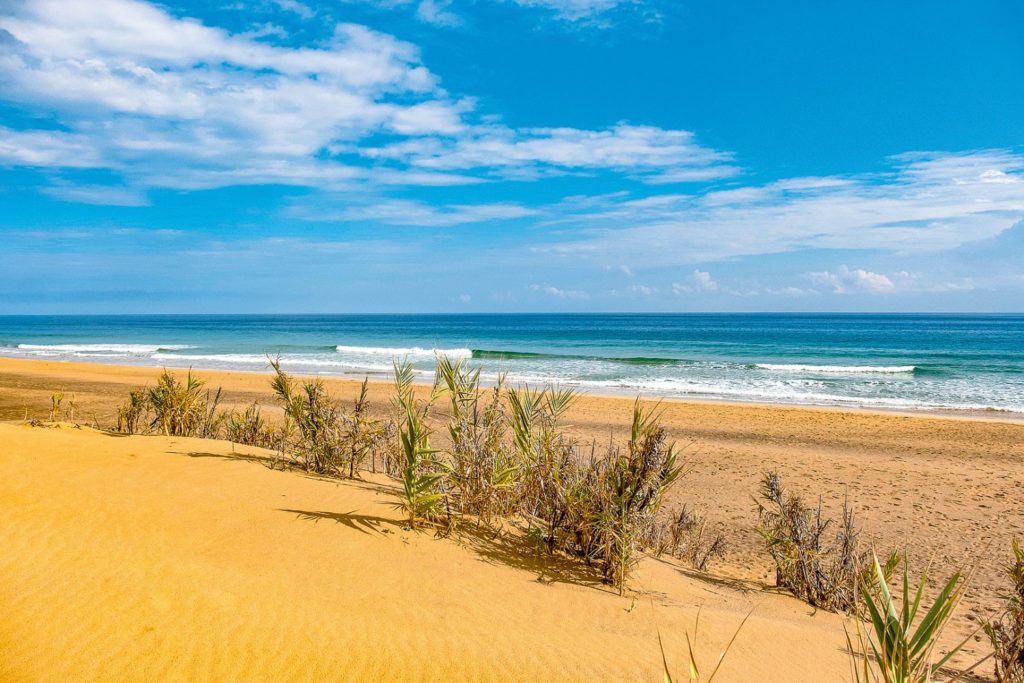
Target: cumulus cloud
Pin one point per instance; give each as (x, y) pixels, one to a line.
(845, 280)
(172, 102)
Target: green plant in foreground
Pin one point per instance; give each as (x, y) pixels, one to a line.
(899, 648)
(421, 495)
(691, 649)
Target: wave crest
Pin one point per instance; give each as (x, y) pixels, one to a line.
(410, 351)
(838, 369)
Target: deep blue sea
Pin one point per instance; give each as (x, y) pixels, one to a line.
(925, 362)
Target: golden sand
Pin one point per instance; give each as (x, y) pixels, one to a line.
(97, 546)
(153, 558)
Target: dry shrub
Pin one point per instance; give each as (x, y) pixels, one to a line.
(1007, 632)
(131, 415)
(822, 569)
(682, 535)
(319, 435)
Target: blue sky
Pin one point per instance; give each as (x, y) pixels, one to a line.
(510, 155)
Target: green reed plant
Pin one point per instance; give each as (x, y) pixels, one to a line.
(898, 647)
(180, 408)
(421, 475)
(480, 467)
(630, 488)
(316, 417)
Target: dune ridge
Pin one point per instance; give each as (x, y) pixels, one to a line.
(184, 559)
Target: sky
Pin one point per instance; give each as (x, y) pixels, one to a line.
(244, 156)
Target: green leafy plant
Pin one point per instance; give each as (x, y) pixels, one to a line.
(420, 474)
(898, 647)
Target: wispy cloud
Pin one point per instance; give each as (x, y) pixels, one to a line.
(559, 293)
(929, 202)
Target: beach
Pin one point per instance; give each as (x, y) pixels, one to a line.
(944, 489)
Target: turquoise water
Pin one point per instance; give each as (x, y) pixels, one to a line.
(929, 362)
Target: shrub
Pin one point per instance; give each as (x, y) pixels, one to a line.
(181, 409)
(682, 536)
(249, 428)
(316, 417)
(821, 570)
(630, 487)
(1007, 632)
(132, 413)
(547, 458)
(596, 509)
(480, 468)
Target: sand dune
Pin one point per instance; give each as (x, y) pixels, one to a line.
(152, 558)
(945, 488)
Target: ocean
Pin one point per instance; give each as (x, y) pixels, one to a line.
(904, 362)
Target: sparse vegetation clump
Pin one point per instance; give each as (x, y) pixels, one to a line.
(325, 439)
(1007, 632)
(683, 535)
(131, 415)
(482, 473)
(249, 428)
(820, 568)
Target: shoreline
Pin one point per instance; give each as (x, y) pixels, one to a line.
(8, 363)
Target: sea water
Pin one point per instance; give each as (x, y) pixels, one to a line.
(906, 362)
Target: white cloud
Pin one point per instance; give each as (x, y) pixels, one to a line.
(407, 212)
(557, 293)
(845, 280)
(174, 103)
(929, 202)
(649, 153)
(700, 281)
(436, 12)
(576, 10)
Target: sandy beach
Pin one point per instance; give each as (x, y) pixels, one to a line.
(151, 557)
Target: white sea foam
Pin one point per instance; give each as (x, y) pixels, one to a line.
(259, 361)
(127, 349)
(410, 351)
(838, 369)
